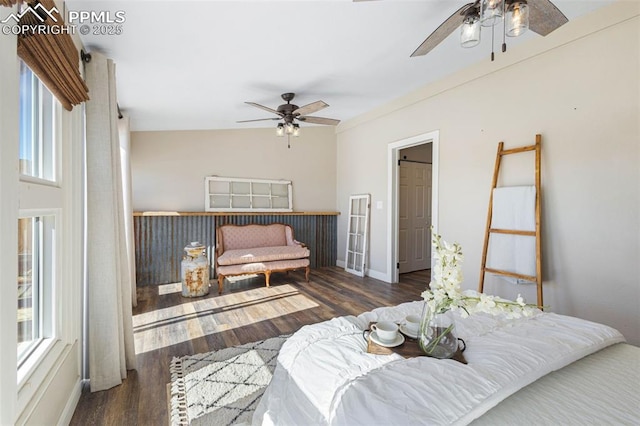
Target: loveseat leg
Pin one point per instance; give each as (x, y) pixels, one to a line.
(307, 270)
(267, 275)
(220, 283)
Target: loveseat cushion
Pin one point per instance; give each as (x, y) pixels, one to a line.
(248, 236)
(262, 254)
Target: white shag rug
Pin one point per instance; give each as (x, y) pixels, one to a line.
(222, 387)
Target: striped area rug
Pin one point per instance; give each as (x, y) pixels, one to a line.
(222, 387)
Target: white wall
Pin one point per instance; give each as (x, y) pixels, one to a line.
(168, 168)
(578, 87)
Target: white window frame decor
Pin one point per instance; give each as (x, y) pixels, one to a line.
(225, 194)
(357, 234)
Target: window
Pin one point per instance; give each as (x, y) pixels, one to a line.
(37, 127)
(39, 213)
(35, 283)
(42, 245)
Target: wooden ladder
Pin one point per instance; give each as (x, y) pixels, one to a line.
(489, 230)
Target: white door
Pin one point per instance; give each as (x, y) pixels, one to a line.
(414, 216)
(357, 234)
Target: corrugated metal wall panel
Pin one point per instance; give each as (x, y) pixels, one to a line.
(160, 240)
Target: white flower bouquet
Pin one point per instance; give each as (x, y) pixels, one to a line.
(436, 337)
(444, 292)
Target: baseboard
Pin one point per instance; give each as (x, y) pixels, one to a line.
(369, 272)
(70, 406)
(377, 275)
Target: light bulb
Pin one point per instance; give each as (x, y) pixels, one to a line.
(490, 12)
(280, 130)
(470, 31)
(517, 18)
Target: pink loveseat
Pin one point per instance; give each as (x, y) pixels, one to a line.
(258, 249)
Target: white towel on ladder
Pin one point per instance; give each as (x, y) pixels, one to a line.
(514, 209)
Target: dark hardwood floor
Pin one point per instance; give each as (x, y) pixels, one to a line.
(166, 325)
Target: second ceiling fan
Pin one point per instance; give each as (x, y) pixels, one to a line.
(540, 16)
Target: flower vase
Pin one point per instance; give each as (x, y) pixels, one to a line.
(437, 334)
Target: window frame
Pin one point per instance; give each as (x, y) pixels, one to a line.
(46, 109)
(41, 196)
(45, 280)
(35, 396)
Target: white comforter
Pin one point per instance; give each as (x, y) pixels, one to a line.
(325, 376)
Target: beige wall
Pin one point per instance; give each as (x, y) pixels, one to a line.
(579, 88)
(168, 168)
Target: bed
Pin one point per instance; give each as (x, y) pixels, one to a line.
(544, 369)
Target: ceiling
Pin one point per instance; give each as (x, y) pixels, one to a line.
(187, 65)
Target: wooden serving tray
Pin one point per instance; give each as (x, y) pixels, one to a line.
(409, 349)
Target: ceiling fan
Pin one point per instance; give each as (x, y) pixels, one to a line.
(541, 16)
(290, 113)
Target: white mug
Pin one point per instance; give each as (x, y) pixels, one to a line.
(412, 323)
(386, 331)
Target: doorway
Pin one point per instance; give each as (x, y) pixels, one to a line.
(394, 152)
(414, 208)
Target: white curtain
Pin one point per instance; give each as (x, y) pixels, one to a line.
(111, 350)
(124, 135)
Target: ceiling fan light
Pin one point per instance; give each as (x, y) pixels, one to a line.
(491, 12)
(470, 31)
(296, 130)
(288, 128)
(517, 20)
(280, 129)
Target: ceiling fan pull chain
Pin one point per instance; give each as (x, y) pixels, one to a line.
(492, 37)
(504, 28)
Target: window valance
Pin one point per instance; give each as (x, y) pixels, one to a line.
(45, 45)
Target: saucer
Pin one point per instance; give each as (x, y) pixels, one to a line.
(406, 332)
(397, 342)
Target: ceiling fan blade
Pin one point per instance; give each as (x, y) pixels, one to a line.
(320, 120)
(310, 108)
(259, 119)
(442, 32)
(545, 17)
(263, 107)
